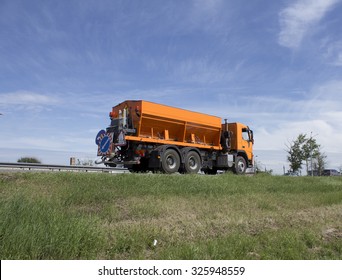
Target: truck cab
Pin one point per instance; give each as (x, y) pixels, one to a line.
(242, 141)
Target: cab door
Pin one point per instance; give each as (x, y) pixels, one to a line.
(247, 141)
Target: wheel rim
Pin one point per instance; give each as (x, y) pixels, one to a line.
(193, 163)
(171, 162)
(241, 166)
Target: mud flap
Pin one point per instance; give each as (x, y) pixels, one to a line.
(154, 160)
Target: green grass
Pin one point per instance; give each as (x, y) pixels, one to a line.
(103, 216)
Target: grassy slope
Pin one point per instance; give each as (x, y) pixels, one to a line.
(102, 216)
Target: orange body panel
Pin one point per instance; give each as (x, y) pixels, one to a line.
(156, 123)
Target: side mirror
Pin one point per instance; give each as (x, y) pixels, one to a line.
(251, 138)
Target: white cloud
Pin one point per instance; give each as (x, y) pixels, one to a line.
(297, 19)
(319, 112)
(209, 16)
(338, 61)
(50, 140)
(26, 98)
(328, 92)
(333, 52)
(207, 7)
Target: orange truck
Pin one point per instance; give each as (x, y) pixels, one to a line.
(145, 136)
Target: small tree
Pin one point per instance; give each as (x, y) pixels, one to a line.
(305, 149)
(310, 151)
(295, 153)
(319, 162)
(29, 160)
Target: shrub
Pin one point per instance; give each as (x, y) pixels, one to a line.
(29, 160)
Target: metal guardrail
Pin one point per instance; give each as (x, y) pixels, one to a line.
(4, 167)
(52, 167)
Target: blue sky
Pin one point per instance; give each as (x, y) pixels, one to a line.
(274, 65)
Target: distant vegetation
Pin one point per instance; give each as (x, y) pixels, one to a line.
(306, 149)
(104, 216)
(29, 160)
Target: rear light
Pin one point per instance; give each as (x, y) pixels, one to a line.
(112, 115)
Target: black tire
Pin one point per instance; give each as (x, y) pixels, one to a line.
(192, 162)
(170, 161)
(240, 165)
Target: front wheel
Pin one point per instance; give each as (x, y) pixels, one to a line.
(240, 165)
(170, 161)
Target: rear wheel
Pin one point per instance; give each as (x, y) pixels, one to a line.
(192, 162)
(170, 161)
(240, 165)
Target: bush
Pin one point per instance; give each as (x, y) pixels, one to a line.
(29, 160)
